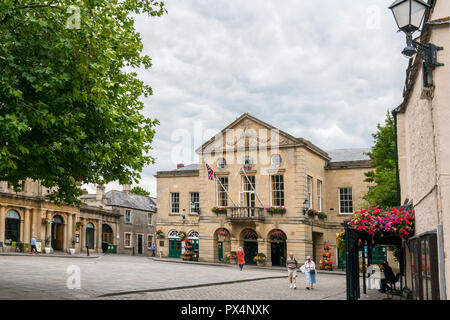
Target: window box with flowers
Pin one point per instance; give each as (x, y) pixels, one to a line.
(260, 259)
(45, 220)
(159, 234)
(231, 257)
(219, 210)
(322, 216)
(272, 210)
(312, 213)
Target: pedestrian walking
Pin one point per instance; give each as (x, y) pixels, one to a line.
(310, 269)
(33, 245)
(292, 266)
(153, 249)
(241, 258)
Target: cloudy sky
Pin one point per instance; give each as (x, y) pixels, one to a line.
(324, 70)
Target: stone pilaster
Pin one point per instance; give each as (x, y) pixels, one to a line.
(2, 223)
(70, 233)
(99, 234)
(27, 226)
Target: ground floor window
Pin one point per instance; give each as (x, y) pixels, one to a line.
(127, 240)
(149, 241)
(12, 227)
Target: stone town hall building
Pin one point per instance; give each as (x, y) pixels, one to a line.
(280, 170)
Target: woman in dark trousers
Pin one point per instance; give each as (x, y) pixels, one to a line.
(241, 257)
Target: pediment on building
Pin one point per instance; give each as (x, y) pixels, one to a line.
(248, 132)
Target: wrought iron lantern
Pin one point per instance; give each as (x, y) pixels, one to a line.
(305, 206)
(409, 16)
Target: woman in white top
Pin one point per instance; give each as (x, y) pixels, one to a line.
(310, 269)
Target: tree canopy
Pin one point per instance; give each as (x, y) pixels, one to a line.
(70, 108)
(382, 155)
(140, 191)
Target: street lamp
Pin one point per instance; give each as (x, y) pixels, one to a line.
(409, 15)
(305, 206)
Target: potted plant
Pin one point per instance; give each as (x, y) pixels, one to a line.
(47, 245)
(188, 253)
(312, 213)
(260, 259)
(159, 234)
(232, 257)
(72, 250)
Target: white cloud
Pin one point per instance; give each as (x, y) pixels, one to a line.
(323, 70)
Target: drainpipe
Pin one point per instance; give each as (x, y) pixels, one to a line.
(399, 199)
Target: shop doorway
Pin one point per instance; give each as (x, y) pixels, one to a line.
(90, 235)
(57, 235)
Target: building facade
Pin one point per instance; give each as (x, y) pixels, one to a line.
(423, 137)
(259, 169)
(136, 226)
(28, 214)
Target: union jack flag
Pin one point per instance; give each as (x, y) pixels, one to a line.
(211, 173)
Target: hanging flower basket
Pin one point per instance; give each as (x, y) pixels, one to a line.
(223, 233)
(277, 235)
(250, 235)
(182, 235)
(273, 210)
(45, 220)
(159, 234)
(79, 225)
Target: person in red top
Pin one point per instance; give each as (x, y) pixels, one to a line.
(241, 257)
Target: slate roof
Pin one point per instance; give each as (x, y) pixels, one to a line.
(190, 169)
(128, 200)
(339, 155)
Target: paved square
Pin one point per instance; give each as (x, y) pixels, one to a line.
(127, 277)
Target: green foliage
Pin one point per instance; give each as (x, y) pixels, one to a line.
(384, 193)
(140, 191)
(69, 99)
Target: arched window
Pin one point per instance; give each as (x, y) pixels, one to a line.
(249, 234)
(173, 234)
(193, 234)
(107, 233)
(12, 227)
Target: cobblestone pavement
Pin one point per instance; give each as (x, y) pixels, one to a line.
(112, 275)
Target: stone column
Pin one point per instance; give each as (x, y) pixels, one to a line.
(69, 228)
(27, 226)
(99, 234)
(65, 232)
(48, 230)
(22, 220)
(2, 223)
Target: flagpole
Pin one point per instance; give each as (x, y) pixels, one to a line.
(251, 185)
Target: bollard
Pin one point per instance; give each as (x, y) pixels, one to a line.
(87, 250)
(133, 251)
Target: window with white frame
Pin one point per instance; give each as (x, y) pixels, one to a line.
(195, 202)
(277, 186)
(222, 189)
(309, 182)
(127, 216)
(149, 219)
(175, 202)
(319, 195)
(149, 241)
(345, 200)
(127, 240)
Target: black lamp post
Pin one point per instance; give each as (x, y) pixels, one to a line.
(305, 206)
(409, 15)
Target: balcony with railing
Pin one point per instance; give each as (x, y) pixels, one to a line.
(245, 213)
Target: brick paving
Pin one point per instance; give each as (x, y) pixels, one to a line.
(30, 277)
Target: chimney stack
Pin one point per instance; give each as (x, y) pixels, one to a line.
(100, 192)
(126, 188)
(85, 191)
(180, 165)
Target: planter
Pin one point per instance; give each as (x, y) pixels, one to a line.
(260, 263)
(72, 251)
(233, 261)
(187, 258)
(47, 250)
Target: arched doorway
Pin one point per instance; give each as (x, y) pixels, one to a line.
(193, 237)
(278, 247)
(174, 244)
(222, 243)
(57, 233)
(12, 227)
(107, 237)
(90, 235)
(250, 245)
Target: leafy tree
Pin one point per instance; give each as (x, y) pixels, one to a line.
(69, 99)
(140, 191)
(384, 193)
